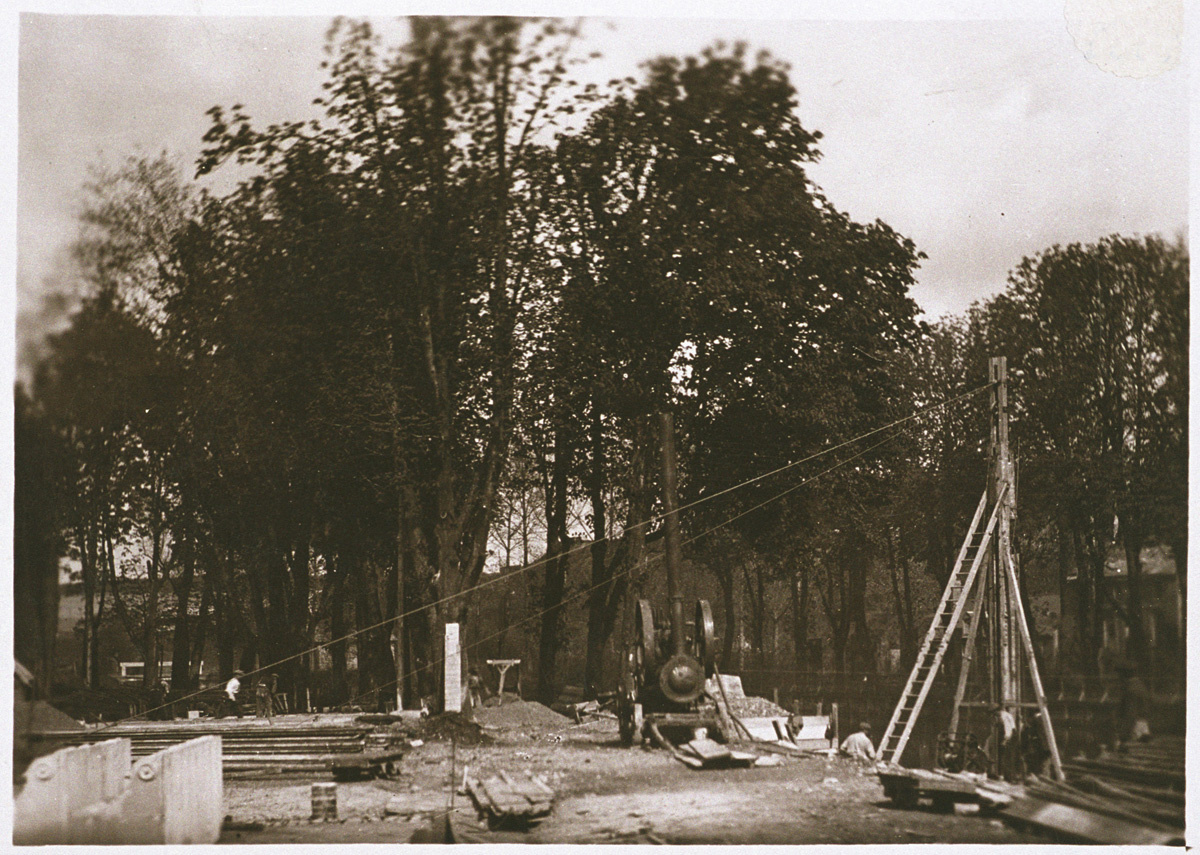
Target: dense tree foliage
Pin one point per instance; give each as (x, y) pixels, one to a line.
(438, 321)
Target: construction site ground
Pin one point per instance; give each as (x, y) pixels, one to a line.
(606, 793)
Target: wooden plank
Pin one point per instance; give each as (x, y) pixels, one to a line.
(1158, 795)
(1137, 774)
(968, 654)
(694, 762)
(1100, 804)
(708, 749)
(1034, 676)
(685, 719)
(505, 798)
(477, 792)
(742, 759)
(546, 787)
(526, 788)
(495, 799)
(1083, 825)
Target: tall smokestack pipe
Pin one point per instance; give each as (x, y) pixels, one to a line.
(670, 503)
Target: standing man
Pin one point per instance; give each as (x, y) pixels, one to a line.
(1006, 729)
(263, 702)
(231, 692)
(475, 689)
(1133, 708)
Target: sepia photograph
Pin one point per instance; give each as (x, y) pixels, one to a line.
(702, 424)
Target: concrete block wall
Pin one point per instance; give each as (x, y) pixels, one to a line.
(91, 795)
(175, 796)
(62, 786)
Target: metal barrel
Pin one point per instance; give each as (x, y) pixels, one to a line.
(324, 802)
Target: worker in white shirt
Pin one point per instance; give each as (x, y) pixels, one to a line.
(231, 692)
(1006, 729)
(858, 745)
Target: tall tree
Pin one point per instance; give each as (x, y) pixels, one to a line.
(1103, 328)
(425, 180)
(37, 540)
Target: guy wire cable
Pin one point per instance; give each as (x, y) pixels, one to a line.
(627, 571)
(589, 544)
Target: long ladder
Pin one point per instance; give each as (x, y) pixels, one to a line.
(937, 639)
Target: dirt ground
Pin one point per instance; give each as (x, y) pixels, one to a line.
(606, 794)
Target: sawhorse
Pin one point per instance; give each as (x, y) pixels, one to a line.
(502, 666)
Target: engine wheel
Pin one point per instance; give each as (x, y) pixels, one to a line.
(706, 638)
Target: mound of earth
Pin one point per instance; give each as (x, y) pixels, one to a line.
(43, 717)
(455, 726)
(756, 708)
(522, 714)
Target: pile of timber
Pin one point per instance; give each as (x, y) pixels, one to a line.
(710, 754)
(1157, 764)
(1133, 796)
(283, 748)
(508, 801)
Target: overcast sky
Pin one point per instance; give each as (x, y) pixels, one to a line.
(982, 140)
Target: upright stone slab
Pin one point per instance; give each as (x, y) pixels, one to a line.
(175, 796)
(453, 670)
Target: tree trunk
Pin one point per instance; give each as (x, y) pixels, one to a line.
(601, 573)
(89, 566)
(1087, 605)
(798, 589)
(406, 583)
(365, 614)
(338, 628)
(181, 649)
(298, 610)
(1132, 537)
(153, 585)
(202, 619)
(556, 572)
(225, 635)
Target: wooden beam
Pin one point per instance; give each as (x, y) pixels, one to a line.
(1027, 643)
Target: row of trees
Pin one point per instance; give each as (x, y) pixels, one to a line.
(306, 408)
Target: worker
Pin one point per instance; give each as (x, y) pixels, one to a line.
(1033, 747)
(264, 703)
(1133, 708)
(475, 689)
(1006, 730)
(231, 693)
(858, 745)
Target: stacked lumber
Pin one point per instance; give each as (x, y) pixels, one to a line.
(291, 748)
(507, 800)
(1131, 796)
